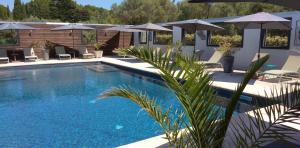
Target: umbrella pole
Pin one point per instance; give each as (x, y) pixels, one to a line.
(123, 39)
(73, 37)
(195, 30)
(147, 32)
(260, 41)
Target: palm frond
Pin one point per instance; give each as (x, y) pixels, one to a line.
(263, 125)
(170, 124)
(191, 84)
(224, 123)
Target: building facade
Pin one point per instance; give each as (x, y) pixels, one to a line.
(250, 41)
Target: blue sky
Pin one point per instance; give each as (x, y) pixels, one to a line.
(100, 3)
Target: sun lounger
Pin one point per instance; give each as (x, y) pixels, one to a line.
(214, 61)
(61, 53)
(289, 70)
(198, 54)
(3, 56)
(29, 54)
(254, 60)
(85, 54)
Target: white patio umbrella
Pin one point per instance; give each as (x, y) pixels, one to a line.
(150, 27)
(194, 25)
(261, 20)
(72, 27)
(122, 29)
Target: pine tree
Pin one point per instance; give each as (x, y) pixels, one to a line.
(19, 12)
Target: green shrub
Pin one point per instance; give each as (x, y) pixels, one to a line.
(276, 41)
(163, 38)
(189, 39)
(236, 40)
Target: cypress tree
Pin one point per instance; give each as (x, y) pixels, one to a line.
(8, 11)
(19, 12)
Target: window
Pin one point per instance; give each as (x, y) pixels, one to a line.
(188, 37)
(143, 37)
(231, 33)
(88, 37)
(275, 38)
(162, 38)
(9, 37)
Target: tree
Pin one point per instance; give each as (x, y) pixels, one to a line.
(19, 12)
(39, 9)
(97, 15)
(196, 11)
(212, 10)
(143, 11)
(8, 11)
(66, 11)
(4, 15)
(207, 125)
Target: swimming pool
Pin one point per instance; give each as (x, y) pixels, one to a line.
(58, 107)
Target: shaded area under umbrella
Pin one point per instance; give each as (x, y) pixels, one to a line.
(15, 26)
(150, 27)
(72, 27)
(122, 29)
(261, 20)
(194, 25)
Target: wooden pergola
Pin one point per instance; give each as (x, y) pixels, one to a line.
(294, 4)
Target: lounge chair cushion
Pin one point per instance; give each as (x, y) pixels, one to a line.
(88, 55)
(64, 55)
(3, 58)
(31, 57)
(208, 64)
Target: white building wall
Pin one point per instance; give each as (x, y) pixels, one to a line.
(244, 55)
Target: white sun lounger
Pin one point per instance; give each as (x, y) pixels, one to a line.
(85, 54)
(61, 53)
(29, 54)
(214, 60)
(3, 56)
(198, 54)
(254, 60)
(289, 70)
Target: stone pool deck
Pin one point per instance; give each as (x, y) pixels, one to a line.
(221, 80)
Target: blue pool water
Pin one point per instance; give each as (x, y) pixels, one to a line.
(58, 107)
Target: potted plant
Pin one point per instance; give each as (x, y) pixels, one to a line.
(228, 59)
(98, 49)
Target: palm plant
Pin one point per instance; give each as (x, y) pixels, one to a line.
(205, 125)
